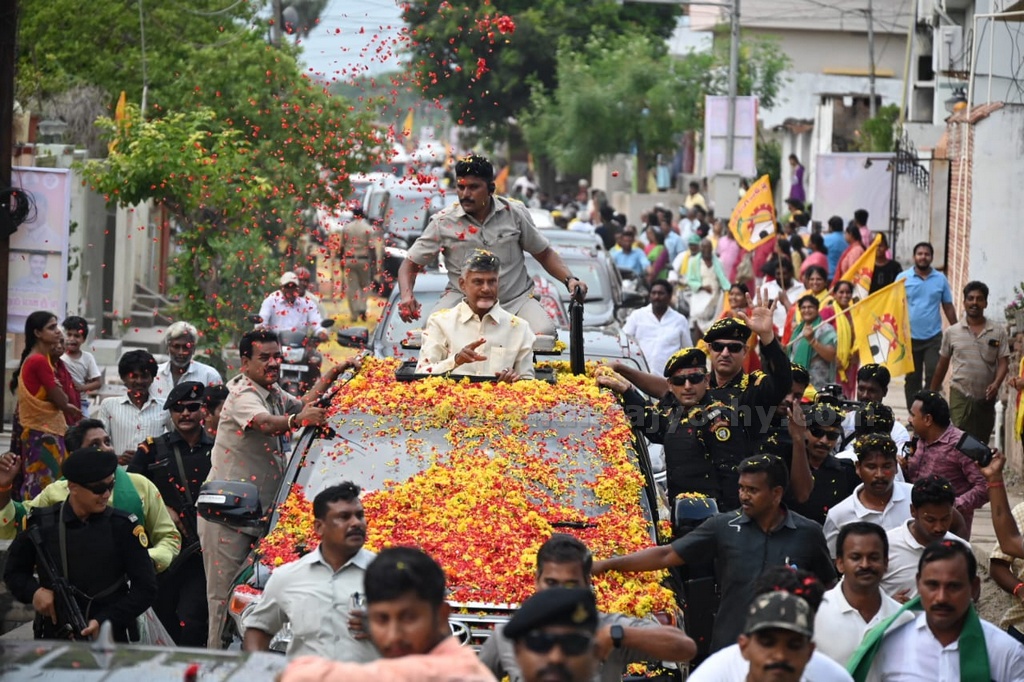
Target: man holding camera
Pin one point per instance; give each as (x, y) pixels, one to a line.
(938, 452)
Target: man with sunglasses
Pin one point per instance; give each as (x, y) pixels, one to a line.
(753, 396)
(563, 562)
(879, 498)
(702, 445)
(553, 635)
(177, 463)
(101, 551)
(834, 479)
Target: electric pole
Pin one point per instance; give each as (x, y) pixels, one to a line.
(8, 38)
(871, 57)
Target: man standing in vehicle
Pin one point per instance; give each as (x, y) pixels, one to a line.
(565, 562)
(315, 594)
(251, 446)
(477, 336)
(408, 622)
(482, 220)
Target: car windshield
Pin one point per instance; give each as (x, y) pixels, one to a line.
(408, 212)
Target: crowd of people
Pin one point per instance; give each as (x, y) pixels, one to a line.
(840, 545)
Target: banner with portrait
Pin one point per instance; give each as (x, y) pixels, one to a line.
(38, 260)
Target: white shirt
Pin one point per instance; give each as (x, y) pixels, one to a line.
(164, 383)
(773, 288)
(728, 665)
(279, 315)
(851, 509)
(128, 425)
(508, 342)
(658, 339)
(839, 628)
(82, 369)
(315, 600)
(904, 554)
(899, 433)
(911, 652)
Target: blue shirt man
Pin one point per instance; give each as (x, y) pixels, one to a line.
(835, 242)
(928, 292)
(625, 256)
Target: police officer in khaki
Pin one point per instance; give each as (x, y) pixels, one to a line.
(100, 550)
(362, 254)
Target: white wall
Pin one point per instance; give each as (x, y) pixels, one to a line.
(801, 95)
(996, 204)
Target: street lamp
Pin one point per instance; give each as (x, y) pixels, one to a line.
(957, 102)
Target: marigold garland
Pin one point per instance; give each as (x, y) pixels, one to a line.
(484, 507)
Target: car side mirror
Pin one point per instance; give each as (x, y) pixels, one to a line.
(691, 510)
(235, 504)
(633, 299)
(353, 337)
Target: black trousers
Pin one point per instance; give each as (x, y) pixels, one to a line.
(181, 602)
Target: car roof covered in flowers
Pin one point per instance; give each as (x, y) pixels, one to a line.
(479, 475)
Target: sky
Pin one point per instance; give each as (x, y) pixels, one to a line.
(354, 39)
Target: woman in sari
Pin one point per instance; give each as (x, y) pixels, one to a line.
(815, 282)
(738, 300)
(43, 407)
(854, 249)
(847, 361)
(706, 280)
(814, 343)
(64, 378)
(657, 255)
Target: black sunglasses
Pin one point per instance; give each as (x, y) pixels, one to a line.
(571, 644)
(734, 346)
(191, 407)
(98, 488)
(683, 379)
(818, 432)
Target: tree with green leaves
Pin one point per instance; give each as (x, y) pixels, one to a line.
(484, 62)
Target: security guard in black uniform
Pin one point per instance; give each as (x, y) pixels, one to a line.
(703, 444)
(177, 463)
(99, 550)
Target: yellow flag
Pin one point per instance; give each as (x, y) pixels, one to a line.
(881, 325)
(119, 116)
(754, 215)
(501, 182)
(861, 271)
(407, 126)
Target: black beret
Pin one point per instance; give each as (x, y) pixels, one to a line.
(476, 165)
(686, 358)
(88, 465)
(800, 375)
(572, 606)
(728, 329)
(185, 392)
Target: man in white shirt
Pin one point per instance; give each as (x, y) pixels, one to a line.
(784, 281)
(285, 310)
(947, 642)
(931, 512)
(318, 594)
(729, 665)
(878, 499)
(871, 417)
(477, 337)
(181, 338)
(857, 603)
(658, 328)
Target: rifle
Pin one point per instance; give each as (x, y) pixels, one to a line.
(70, 621)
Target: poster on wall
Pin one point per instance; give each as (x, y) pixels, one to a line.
(846, 182)
(38, 260)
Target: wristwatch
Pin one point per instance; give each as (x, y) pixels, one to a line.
(570, 278)
(617, 633)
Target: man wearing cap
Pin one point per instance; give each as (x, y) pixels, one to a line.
(777, 639)
(702, 446)
(285, 310)
(181, 339)
(407, 618)
(658, 327)
(477, 336)
(132, 493)
(483, 221)
(752, 395)
(763, 534)
(553, 635)
(563, 562)
(361, 254)
(100, 550)
(178, 463)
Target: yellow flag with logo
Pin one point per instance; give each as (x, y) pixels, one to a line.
(881, 326)
(407, 125)
(753, 220)
(120, 113)
(862, 270)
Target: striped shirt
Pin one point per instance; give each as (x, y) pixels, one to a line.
(128, 425)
